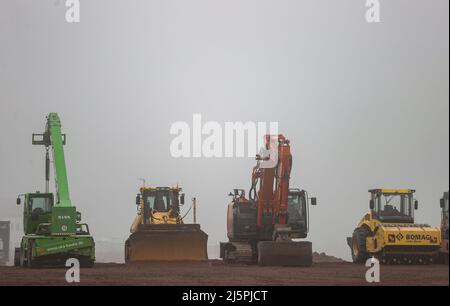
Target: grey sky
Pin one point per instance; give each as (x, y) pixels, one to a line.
(364, 105)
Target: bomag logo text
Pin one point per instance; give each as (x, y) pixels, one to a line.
(418, 237)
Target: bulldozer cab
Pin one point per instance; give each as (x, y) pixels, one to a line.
(37, 210)
(393, 205)
(160, 201)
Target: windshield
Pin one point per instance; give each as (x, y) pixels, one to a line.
(296, 207)
(394, 206)
(159, 200)
(41, 205)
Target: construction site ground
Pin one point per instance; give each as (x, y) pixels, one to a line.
(217, 273)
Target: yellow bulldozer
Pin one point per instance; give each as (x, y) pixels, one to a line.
(159, 233)
(388, 232)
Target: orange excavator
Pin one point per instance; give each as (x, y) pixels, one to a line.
(263, 229)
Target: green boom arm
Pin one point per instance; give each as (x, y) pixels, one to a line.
(52, 137)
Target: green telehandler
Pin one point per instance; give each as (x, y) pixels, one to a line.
(53, 231)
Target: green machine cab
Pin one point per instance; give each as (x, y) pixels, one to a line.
(53, 231)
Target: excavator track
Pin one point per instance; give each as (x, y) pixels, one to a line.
(285, 253)
(167, 242)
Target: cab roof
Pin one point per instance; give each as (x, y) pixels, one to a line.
(392, 191)
(176, 189)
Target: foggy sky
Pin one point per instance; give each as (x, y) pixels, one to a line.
(364, 105)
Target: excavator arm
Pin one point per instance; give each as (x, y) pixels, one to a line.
(276, 246)
(273, 190)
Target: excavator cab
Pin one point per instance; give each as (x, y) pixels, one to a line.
(298, 212)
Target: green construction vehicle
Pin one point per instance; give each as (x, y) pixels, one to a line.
(53, 232)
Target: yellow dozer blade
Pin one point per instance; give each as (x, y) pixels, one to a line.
(167, 242)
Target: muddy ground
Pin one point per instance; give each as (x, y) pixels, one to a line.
(217, 273)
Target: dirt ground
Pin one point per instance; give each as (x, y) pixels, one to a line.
(218, 273)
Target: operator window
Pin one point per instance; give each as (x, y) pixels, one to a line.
(41, 204)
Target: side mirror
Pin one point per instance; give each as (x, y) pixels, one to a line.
(138, 199)
(78, 216)
(313, 201)
(18, 201)
(416, 205)
(442, 203)
(182, 199)
(372, 204)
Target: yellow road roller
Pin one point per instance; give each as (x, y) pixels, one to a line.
(388, 232)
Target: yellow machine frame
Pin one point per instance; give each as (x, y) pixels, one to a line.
(403, 241)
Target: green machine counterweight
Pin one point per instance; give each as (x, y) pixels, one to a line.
(52, 226)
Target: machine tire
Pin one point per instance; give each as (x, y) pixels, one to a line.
(127, 251)
(22, 258)
(30, 262)
(88, 264)
(359, 248)
(17, 257)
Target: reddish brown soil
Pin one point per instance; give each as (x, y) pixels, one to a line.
(217, 273)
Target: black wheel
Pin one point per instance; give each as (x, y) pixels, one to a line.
(22, 258)
(29, 255)
(89, 263)
(359, 248)
(17, 257)
(127, 251)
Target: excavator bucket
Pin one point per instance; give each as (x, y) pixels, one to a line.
(285, 253)
(167, 242)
